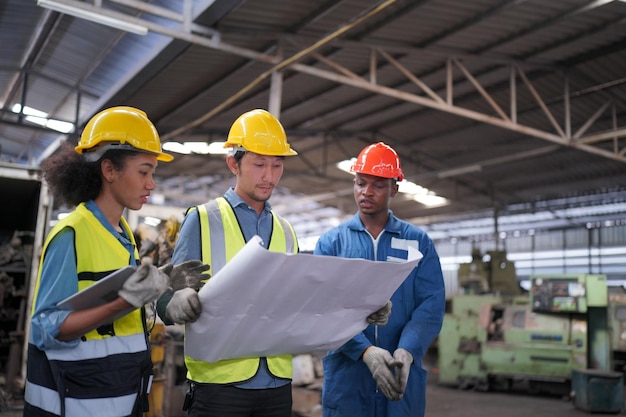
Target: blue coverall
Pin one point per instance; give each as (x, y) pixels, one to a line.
(416, 318)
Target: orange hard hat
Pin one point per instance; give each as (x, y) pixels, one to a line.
(379, 160)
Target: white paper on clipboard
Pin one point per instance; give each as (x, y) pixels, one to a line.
(102, 292)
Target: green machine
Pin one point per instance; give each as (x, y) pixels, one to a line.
(617, 326)
(562, 327)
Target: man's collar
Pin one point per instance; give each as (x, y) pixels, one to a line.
(235, 200)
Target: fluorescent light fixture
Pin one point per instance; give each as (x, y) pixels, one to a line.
(198, 148)
(217, 148)
(28, 111)
(76, 11)
(41, 118)
(346, 164)
(176, 147)
(422, 194)
(416, 192)
(58, 125)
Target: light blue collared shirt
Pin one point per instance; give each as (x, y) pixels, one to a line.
(188, 247)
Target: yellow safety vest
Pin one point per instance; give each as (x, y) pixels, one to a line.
(221, 238)
(110, 367)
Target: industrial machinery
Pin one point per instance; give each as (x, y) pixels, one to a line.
(23, 218)
(494, 336)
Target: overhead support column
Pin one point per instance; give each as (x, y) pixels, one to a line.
(566, 103)
(513, 87)
(276, 93)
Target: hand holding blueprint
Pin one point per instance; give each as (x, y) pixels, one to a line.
(265, 303)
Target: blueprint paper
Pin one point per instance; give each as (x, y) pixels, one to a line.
(265, 303)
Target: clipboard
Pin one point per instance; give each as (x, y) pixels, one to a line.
(102, 292)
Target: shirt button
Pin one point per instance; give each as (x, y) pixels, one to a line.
(42, 315)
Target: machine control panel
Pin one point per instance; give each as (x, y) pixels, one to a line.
(558, 295)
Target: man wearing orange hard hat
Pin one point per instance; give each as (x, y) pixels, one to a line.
(379, 371)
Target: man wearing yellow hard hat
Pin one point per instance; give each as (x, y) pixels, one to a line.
(215, 232)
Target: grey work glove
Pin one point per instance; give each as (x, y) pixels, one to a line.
(380, 316)
(380, 363)
(188, 274)
(404, 359)
(184, 307)
(145, 285)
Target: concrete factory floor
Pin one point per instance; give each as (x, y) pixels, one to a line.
(451, 402)
(444, 401)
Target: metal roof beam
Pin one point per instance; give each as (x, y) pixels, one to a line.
(560, 139)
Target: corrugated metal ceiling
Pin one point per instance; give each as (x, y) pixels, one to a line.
(483, 151)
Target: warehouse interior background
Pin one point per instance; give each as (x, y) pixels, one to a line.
(508, 115)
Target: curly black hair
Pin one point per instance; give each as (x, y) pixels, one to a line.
(72, 179)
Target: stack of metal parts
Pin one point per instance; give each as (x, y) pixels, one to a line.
(15, 257)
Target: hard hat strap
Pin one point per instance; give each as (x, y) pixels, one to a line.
(234, 149)
(94, 154)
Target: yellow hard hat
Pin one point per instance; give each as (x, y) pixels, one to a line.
(260, 132)
(120, 127)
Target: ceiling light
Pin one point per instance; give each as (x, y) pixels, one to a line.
(76, 11)
(217, 148)
(346, 164)
(197, 148)
(176, 147)
(28, 111)
(430, 199)
(41, 118)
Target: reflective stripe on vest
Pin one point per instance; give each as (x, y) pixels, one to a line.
(105, 372)
(100, 348)
(221, 239)
(48, 400)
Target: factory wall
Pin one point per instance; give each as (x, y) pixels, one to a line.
(595, 249)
